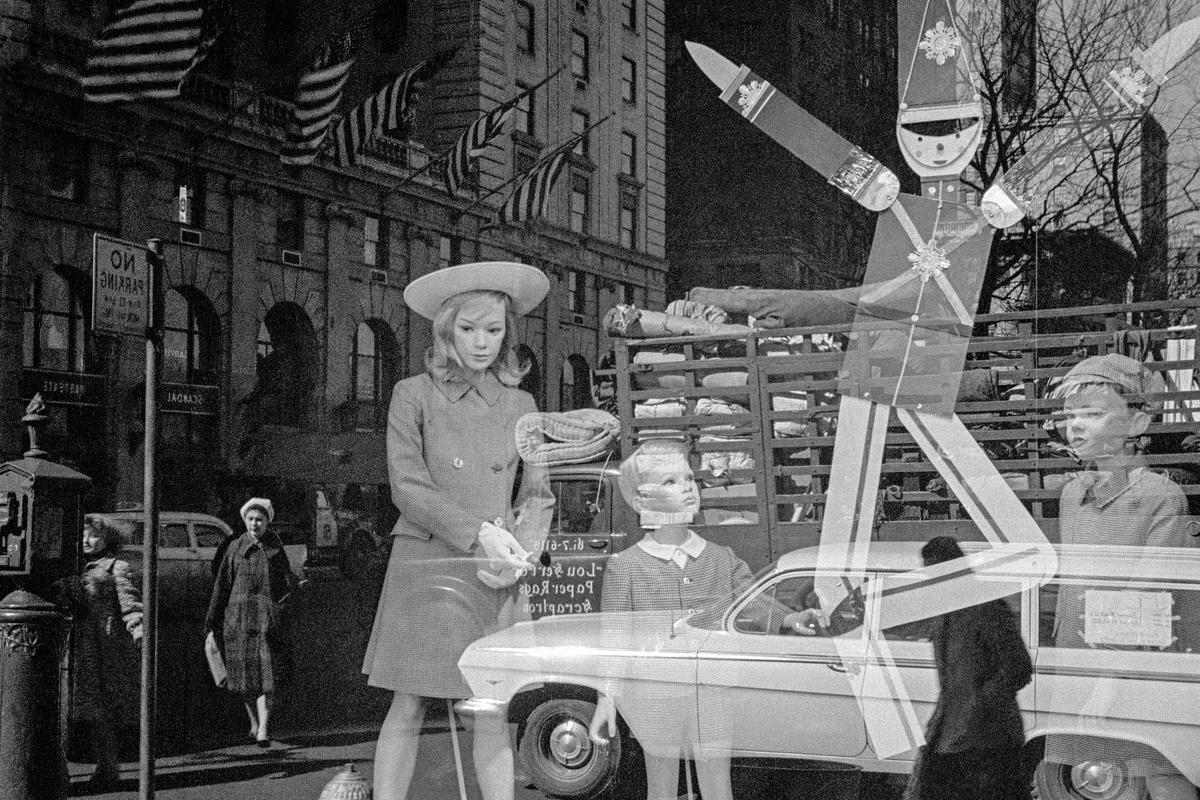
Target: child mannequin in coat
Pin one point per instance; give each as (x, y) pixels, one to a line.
(671, 568)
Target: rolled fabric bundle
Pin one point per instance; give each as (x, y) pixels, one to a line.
(784, 308)
(565, 437)
(690, 308)
(631, 322)
(660, 407)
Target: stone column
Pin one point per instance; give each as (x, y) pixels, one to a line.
(340, 316)
(124, 358)
(244, 312)
(423, 255)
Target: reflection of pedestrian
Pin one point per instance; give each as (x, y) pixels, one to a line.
(974, 738)
(452, 461)
(244, 615)
(108, 617)
(1107, 402)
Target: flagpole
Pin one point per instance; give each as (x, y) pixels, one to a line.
(540, 162)
(449, 151)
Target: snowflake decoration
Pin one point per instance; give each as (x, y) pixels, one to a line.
(748, 94)
(929, 261)
(940, 43)
(1134, 82)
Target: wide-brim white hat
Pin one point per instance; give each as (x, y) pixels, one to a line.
(526, 285)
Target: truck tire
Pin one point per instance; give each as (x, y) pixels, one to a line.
(1091, 780)
(562, 761)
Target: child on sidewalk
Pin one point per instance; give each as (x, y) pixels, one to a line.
(1118, 501)
(670, 569)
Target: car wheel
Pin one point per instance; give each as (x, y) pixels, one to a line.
(357, 556)
(562, 761)
(1090, 780)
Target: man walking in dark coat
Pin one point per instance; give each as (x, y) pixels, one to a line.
(974, 738)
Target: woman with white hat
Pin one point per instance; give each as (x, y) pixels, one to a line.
(452, 463)
(244, 614)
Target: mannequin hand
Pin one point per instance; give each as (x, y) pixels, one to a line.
(808, 622)
(605, 716)
(498, 580)
(502, 549)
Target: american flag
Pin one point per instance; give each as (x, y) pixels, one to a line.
(531, 198)
(388, 110)
(475, 140)
(146, 51)
(317, 96)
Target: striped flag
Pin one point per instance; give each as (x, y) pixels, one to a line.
(387, 111)
(531, 198)
(146, 51)
(474, 141)
(317, 97)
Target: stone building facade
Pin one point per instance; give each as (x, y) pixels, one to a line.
(285, 325)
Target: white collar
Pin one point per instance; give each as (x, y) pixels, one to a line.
(692, 546)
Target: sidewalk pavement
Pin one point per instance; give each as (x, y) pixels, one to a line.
(294, 768)
(298, 767)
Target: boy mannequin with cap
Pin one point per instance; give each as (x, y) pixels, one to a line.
(1118, 501)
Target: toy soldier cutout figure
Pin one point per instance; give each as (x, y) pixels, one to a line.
(912, 320)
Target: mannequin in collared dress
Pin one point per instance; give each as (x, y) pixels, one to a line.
(452, 463)
(671, 568)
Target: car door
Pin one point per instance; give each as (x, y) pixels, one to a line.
(763, 691)
(579, 543)
(208, 538)
(176, 567)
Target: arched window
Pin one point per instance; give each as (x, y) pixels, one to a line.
(53, 324)
(373, 370)
(532, 382)
(576, 388)
(191, 336)
(287, 367)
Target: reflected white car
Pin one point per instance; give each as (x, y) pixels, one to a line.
(737, 680)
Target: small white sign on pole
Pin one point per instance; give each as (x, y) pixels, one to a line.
(120, 286)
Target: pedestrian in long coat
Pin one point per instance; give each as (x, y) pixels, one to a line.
(244, 615)
(974, 738)
(452, 464)
(107, 624)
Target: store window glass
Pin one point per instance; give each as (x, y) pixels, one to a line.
(53, 323)
(374, 369)
(191, 336)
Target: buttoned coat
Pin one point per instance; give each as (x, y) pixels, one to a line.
(245, 616)
(452, 464)
(108, 618)
(1133, 507)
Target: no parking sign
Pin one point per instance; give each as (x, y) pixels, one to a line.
(120, 286)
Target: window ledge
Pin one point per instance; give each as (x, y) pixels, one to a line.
(525, 140)
(630, 183)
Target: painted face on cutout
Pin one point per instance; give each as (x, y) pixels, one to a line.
(94, 542)
(478, 334)
(669, 485)
(1099, 423)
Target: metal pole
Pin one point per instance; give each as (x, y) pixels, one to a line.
(150, 534)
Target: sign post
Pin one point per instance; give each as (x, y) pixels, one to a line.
(153, 331)
(127, 301)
